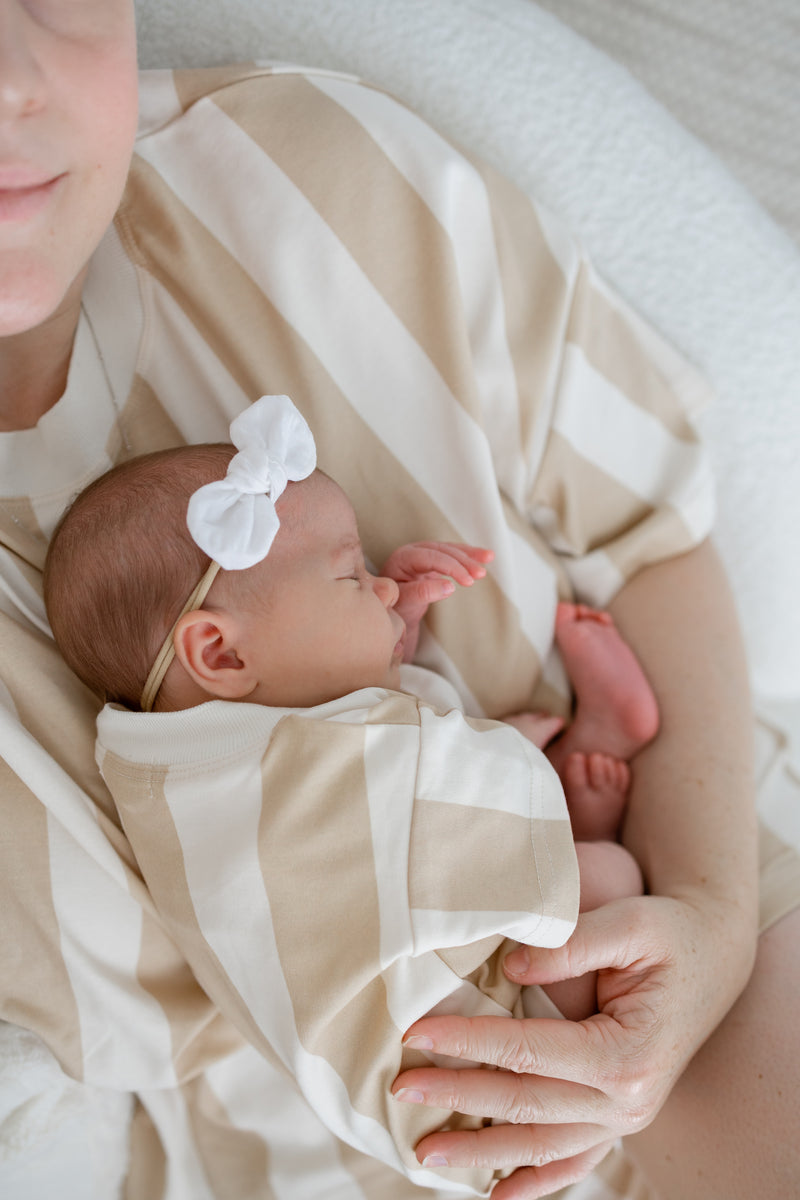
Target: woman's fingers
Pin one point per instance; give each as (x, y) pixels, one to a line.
(529, 1183)
(544, 1047)
(505, 1147)
(521, 1099)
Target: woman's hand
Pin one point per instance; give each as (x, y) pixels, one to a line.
(668, 971)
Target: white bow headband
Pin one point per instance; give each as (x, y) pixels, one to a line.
(234, 519)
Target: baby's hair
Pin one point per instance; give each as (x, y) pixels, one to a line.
(122, 563)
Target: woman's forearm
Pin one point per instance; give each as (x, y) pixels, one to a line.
(691, 817)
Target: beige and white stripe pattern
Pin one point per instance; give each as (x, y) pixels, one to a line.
(295, 232)
(313, 865)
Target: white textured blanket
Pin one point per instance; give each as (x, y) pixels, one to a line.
(662, 218)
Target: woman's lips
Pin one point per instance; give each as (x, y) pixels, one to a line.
(20, 200)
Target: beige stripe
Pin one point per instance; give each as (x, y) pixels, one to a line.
(235, 1160)
(192, 85)
(31, 565)
(333, 870)
(591, 507)
(487, 866)
(199, 1034)
(60, 713)
(30, 937)
(614, 350)
(662, 536)
(536, 298)
(146, 422)
(593, 510)
(405, 252)
(394, 710)
(490, 978)
(21, 533)
(480, 631)
(147, 1173)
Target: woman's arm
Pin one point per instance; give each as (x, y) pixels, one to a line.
(671, 964)
(691, 817)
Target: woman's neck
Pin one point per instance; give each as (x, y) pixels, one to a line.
(34, 365)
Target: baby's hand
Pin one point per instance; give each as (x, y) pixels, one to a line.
(424, 572)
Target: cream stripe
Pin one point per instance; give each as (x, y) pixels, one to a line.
(220, 857)
(21, 598)
(158, 100)
(390, 769)
(118, 326)
(432, 654)
(420, 984)
(293, 1132)
(596, 578)
(460, 765)
(641, 454)
(195, 387)
(536, 594)
(167, 1110)
(520, 926)
(87, 897)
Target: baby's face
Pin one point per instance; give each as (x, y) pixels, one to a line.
(322, 626)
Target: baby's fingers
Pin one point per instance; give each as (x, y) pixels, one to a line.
(418, 560)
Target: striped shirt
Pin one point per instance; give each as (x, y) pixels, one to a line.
(467, 377)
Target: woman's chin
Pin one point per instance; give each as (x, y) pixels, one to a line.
(31, 293)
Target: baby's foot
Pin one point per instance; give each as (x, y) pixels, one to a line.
(595, 786)
(616, 711)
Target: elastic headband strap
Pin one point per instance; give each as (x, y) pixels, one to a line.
(167, 652)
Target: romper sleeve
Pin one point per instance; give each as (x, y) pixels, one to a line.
(611, 471)
(312, 866)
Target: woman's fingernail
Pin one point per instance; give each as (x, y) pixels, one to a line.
(517, 962)
(409, 1096)
(415, 1042)
(434, 1160)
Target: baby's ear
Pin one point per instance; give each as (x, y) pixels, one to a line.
(205, 646)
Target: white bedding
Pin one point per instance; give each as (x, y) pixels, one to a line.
(665, 223)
